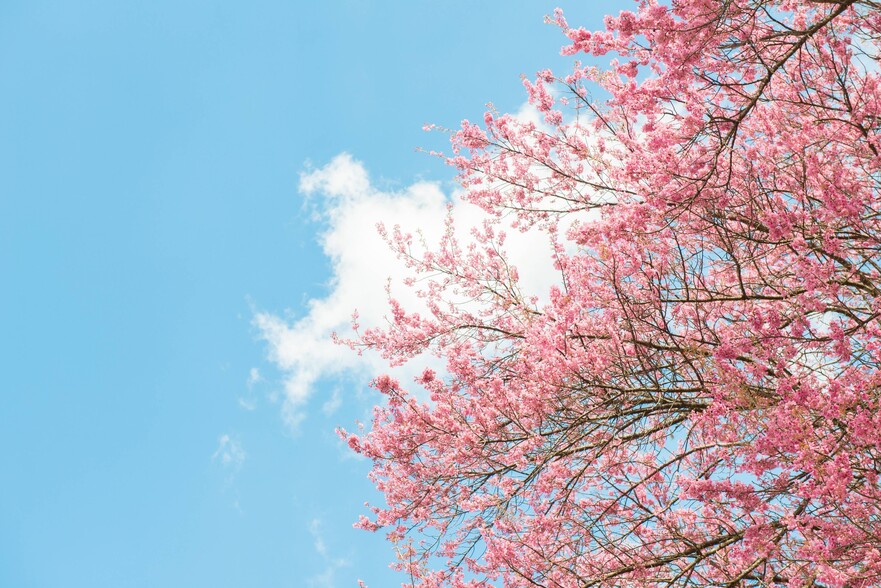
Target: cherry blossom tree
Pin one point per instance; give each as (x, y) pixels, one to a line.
(698, 402)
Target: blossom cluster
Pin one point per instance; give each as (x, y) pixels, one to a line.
(698, 401)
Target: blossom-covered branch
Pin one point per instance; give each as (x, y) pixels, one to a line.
(698, 402)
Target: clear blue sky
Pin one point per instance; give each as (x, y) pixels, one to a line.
(150, 154)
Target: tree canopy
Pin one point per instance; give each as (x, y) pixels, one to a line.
(697, 402)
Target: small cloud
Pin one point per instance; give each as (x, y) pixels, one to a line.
(326, 578)
(254, 377)
(229, 453)
(248, 404)
(230, 456)
(315, 531)
(332, 404)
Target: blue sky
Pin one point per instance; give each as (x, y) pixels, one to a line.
(167, 181)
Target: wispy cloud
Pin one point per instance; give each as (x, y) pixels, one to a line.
(327, 577)
(333, 403)
(254, 377)
(249, 400)
(317, 538)
(229, 453)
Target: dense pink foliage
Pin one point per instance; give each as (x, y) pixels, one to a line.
(697, 403)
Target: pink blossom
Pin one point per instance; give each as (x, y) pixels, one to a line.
(698, 400)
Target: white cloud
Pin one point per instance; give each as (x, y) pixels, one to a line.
(249, 401)
(318, 540)
(229, 452)
(362, 265)
(248, 404)
(230, 455)
(254, 377)
(333, 403)
(325, 579)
